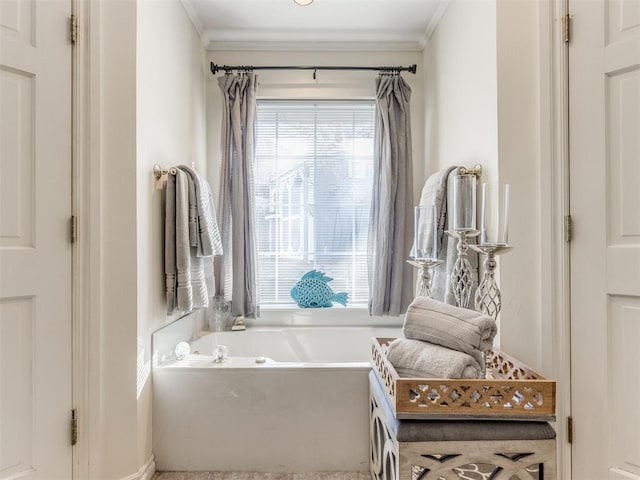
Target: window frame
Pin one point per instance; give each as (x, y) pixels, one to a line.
(288, 310)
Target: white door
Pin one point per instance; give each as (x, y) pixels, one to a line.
(35, 252)
(604, 89)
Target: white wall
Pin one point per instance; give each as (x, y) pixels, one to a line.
(170, 131)
(519, 145)
(146, 106)
(329, 84)
(482, 105)
(112, 349)
(461, 89)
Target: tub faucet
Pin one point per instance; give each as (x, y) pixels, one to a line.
(238, 324)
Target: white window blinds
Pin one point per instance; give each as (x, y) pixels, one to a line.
(313, 180)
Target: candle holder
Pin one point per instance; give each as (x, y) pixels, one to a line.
(462, 273)
(424, 254)
(494, 240)
(425, 266)
(488, 299)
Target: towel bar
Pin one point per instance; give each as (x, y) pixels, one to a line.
(158, 171)
(476, 170)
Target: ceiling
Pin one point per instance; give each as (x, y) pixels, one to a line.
(323, 25)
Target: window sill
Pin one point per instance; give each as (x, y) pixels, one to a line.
(321, 317)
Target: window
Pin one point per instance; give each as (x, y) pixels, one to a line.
(313, 178)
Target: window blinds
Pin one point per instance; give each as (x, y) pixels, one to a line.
(313, 176)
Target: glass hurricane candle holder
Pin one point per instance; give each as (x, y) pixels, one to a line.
(464, 227)
(425, 236)
(494, 240)
(464, 203)
(424, 254)
(494, 214)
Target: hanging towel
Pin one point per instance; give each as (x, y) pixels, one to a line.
(434, 194)
(184, 290)
(200, 267)
(203, 227)
(170, 244)
(457, 328)
(413, 358)
(190, 232)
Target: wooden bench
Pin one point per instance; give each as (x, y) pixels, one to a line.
(466, 449)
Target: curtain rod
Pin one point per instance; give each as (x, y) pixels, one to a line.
(217, 68)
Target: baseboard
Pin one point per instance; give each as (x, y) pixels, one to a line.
(145, 472)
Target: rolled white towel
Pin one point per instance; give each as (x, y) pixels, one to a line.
(452, 327)
(413, 358)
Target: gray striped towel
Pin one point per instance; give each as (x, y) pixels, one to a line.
(436, 322)
(204, 233)
(170, 244)
(413, 358)
(184, 292)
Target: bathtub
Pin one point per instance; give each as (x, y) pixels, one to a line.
(304, 409)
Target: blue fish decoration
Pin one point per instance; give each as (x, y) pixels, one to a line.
(312, 291)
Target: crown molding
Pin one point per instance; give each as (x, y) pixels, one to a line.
(195, 20)
(275, 40)
(434, 22)
(252, 40)
(314, 46)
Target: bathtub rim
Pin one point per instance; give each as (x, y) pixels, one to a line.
(206, 363)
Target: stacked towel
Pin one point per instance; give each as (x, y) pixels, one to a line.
(442, 341)
(191, 240)
(413, 358)
(457, 328)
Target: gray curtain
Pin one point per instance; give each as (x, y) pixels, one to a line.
(391, 221)
(236, 269)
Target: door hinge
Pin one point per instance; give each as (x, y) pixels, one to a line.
(73, 229)
(570, 429)
(73, 29)
(568, 228)
(566, 28)
(74, 427)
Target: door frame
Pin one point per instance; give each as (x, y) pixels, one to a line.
(86, 192)
(555, 256)
(94, 77)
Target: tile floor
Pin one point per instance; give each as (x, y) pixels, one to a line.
(261, 476)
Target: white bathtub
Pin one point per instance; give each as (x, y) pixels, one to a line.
(304, 409)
